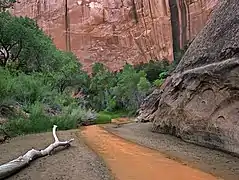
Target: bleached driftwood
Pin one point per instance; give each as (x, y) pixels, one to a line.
(15, 165)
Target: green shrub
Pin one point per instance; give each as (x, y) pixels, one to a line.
(20, 126)
(105, 117)
(6, 83)
(100, 86)
(158, 82)
(162, 76)
(35, 96)
(143, 85)
(124, 90)
(40, 121)
(154, 68)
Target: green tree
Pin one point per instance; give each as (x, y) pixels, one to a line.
(143, 85)
(36, 78)
(69, 73)
(100, 87)
(129, 88)
(24, 46)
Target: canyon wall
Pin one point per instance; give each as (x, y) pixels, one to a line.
(199, 102)
(115, 31)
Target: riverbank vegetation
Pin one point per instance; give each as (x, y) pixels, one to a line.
(41, 85)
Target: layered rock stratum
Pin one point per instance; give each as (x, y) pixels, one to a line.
(115, 31)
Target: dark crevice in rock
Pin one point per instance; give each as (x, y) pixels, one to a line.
(229, 53)
(155, 107)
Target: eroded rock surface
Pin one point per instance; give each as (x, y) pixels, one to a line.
(200, 101)
(115, 31)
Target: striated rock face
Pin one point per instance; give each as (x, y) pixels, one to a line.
(200, 101)
(115, 31)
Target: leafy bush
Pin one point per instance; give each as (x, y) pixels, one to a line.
(162, 76)
(126, 89)
(117, 91)
(40, 121)
(154, 68)
(104, 117)
(100, 86)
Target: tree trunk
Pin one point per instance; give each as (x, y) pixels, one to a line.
(15, 165)
(199, 102)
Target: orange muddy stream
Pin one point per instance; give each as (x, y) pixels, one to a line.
(129, 161)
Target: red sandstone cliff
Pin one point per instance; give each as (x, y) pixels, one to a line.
(115, 31)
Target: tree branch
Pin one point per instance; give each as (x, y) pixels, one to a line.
(6, 53)
(18, 52)
(54, 134)
(1, 52)
(15, 165)
(11, 46)
(4, 6)
(3, 59)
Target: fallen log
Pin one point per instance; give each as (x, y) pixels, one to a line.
(15, 165)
